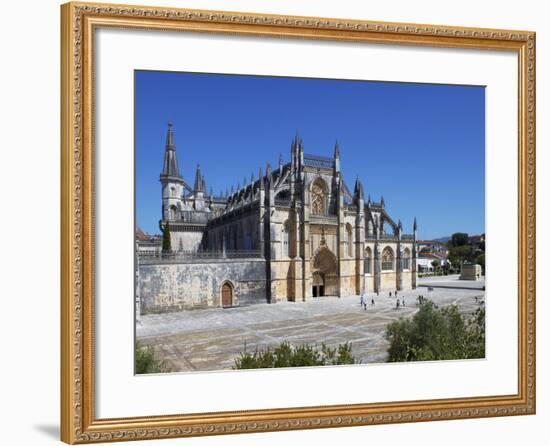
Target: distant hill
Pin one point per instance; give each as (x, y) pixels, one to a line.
(442, 239)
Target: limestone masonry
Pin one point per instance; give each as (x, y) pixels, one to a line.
(294, 233)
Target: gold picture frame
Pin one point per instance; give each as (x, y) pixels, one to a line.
(78, 24)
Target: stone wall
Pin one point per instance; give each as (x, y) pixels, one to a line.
(197, 284)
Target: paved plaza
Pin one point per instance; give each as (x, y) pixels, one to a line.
(211, 339)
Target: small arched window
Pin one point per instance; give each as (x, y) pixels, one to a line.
(368, 261)
(387, 259)
(172, 212)
(406, 259)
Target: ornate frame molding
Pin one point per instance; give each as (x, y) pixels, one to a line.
(78, 424)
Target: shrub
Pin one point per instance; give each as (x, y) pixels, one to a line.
(437, 334)
(287, 355)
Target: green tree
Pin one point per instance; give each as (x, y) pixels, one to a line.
(437, 334)
(459, 254)
(459, 239)
(166, 244)
(435, 264)
(287, 355)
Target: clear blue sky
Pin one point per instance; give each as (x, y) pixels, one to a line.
(421, 146)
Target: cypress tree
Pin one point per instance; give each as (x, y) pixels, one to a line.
(166, 245)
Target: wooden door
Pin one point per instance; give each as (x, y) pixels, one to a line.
(227, 295)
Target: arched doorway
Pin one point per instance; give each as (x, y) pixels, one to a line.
(227, 295)
(318, 284)
(324, 273)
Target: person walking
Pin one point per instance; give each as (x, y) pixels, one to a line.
(397, 304)
(372, 301)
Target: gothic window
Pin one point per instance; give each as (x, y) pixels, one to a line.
(240, 236)
(248, 237)
(172, 212)
(283, 196)
(348, 241)
(234, 237)
(318, 198)
(387, 259)
(368, 261)
(285, 239)
(406, 260)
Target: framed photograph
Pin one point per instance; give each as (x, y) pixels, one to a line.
(274, 223)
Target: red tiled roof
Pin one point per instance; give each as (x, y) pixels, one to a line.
(140, 235)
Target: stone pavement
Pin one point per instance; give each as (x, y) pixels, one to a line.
(211, 339)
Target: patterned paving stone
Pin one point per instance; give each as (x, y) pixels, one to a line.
(211, 339)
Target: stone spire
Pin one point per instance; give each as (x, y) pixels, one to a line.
(170, 166)
(358, 190)
(414, 225)
(199, 180)
(382, 202)
(261, 179)
(336, 157)
(269, 174)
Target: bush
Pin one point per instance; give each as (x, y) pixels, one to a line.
(437, 334)
(146, 361)
(287, 355)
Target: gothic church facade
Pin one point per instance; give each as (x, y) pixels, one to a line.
(314, 236)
